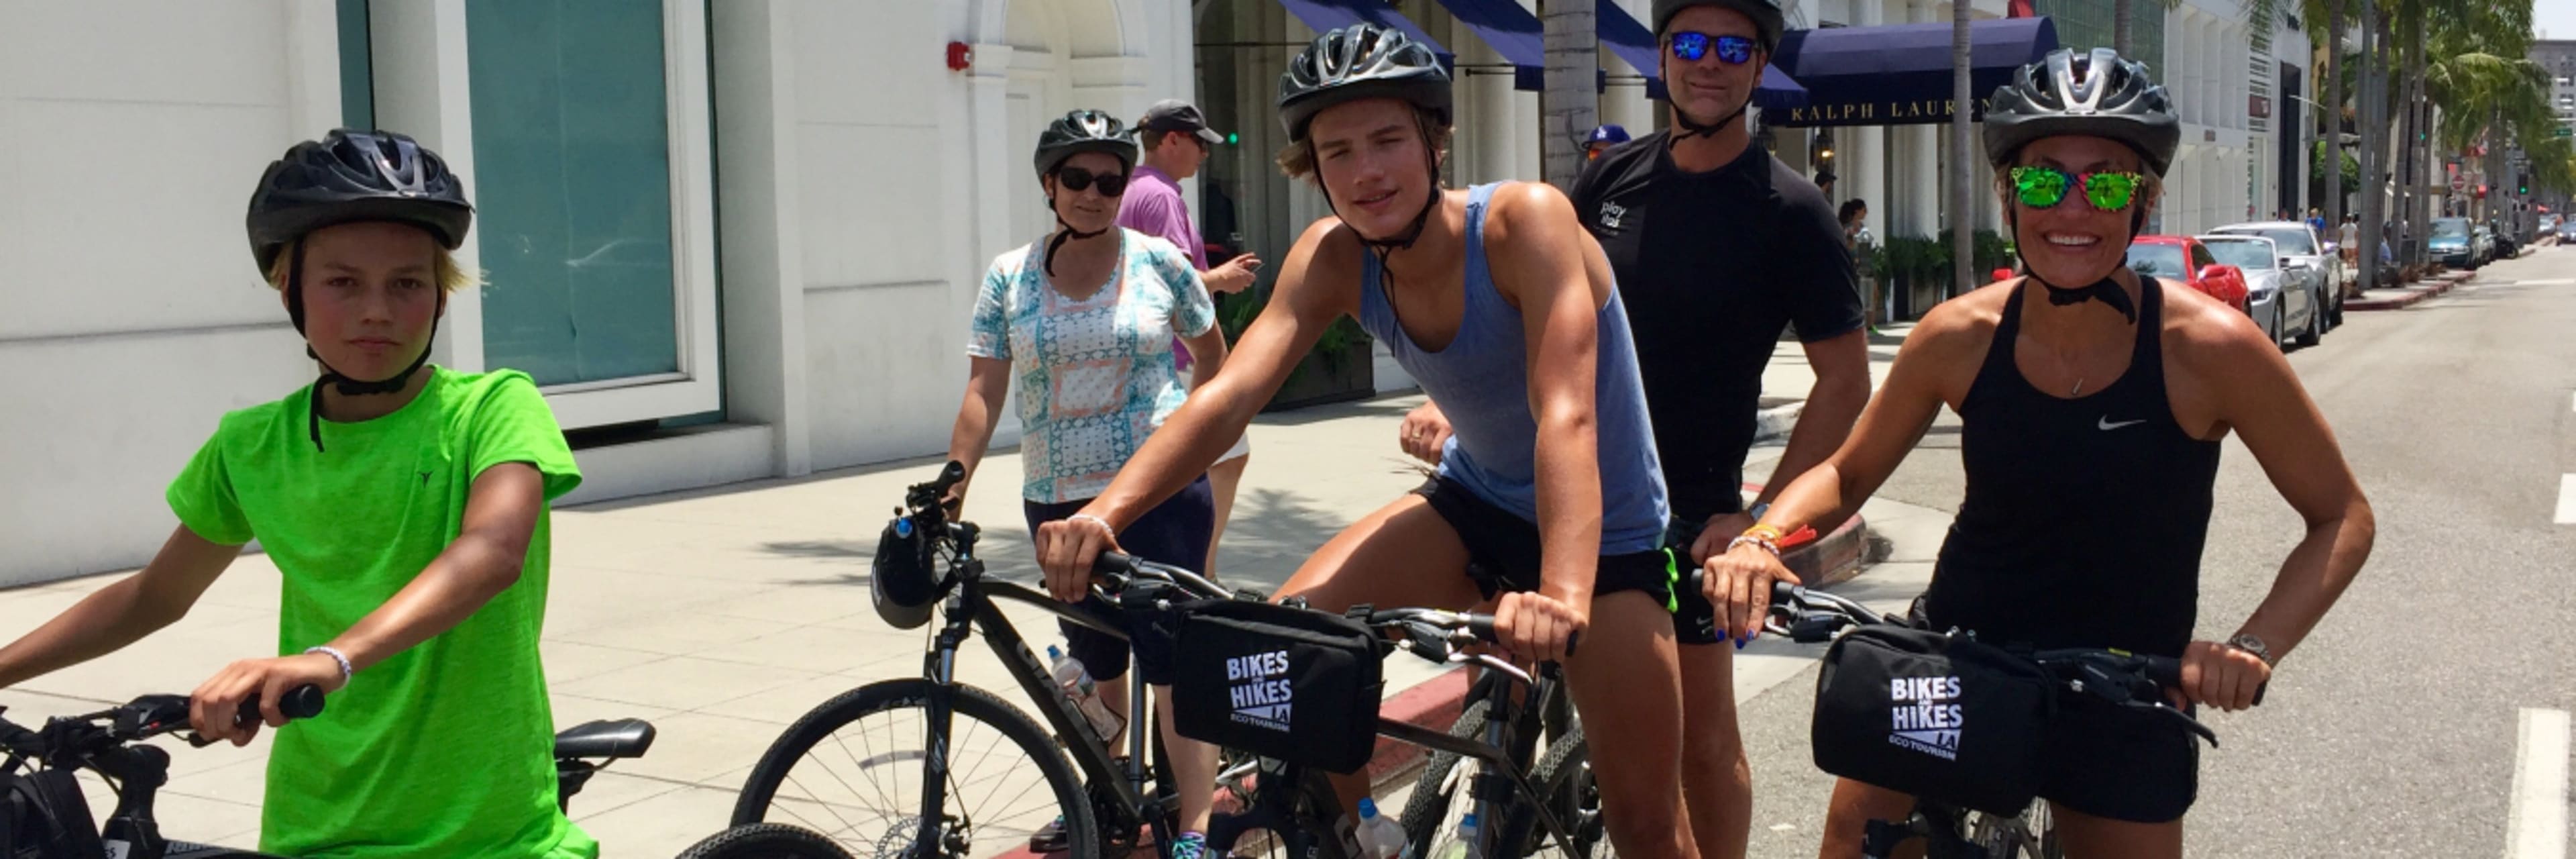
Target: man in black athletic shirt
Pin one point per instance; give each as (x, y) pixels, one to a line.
(1717, 247)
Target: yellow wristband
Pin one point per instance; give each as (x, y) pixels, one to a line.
(1767, 533)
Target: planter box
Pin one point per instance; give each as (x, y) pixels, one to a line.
(1329, 378)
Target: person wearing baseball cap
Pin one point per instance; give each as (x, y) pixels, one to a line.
(1176, 140)
(1602, 139)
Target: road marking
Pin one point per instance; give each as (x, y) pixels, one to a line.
(2555, 281)
(2536, 826)
(2567, 499)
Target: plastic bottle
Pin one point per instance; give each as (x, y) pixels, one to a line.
(1380, 837)
(1076, 683)
(1461, 845)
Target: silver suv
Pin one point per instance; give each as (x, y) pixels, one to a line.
(2311, 261)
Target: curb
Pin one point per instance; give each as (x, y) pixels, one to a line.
(2415, 293)
(1775, 423)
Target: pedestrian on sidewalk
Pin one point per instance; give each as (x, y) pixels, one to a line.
(1176, 141)
(1717, 246)
(406, 507)
(1549, 504)
(2093, 418)
(1084, 319)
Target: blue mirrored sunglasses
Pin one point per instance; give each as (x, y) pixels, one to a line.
(1689, 46)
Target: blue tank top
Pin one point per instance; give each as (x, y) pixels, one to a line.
(1481, 381)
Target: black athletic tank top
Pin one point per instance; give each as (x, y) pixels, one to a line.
(2084, 517)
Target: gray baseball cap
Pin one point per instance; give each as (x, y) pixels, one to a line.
(1173, 114)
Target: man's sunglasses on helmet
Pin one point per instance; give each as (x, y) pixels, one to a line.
(1075, 179)
(2042, 187)
(1691, 45)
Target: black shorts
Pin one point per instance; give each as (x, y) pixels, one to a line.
(1503, 549)
(1694, 618)
(1175, 532)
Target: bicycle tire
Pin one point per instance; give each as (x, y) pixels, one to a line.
(760, 791)
(1426, 812)
(766, 841)
(1567, 790)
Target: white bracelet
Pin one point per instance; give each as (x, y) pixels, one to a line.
(1752, 540)
(1103, 523)
(336, 656)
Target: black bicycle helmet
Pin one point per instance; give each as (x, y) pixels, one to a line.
(1357, 62)
(903, 580)
(1767, 18)
(1085, 131)
(2090, 95)
(350, 176)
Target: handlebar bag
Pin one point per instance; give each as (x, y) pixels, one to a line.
(1942, 717)
(43, 816)
(1281, 682)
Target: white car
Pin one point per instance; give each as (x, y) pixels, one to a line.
(2312, 261)
(2277, 305)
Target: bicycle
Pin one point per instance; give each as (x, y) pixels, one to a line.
(2118, 677)
(110, 744)
(1563, 769)
(766, 841)
(910, 797)
(1297, 808)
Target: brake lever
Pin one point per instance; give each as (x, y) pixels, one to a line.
(2191, 724)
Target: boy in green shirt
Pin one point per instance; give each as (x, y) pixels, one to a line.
(406, 506)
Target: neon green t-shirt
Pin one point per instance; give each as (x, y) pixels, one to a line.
(445, 749)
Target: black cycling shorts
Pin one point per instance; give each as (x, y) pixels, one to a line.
(1503, 548)
(1694, 617)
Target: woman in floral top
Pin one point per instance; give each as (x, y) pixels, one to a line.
(1083, 321)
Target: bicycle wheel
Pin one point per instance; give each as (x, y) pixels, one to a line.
(2029, 835)
(853, 770)
(766, 841)
(1568, 791)
(1428, 816)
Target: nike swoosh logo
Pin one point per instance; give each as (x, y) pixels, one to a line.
(2106, 425)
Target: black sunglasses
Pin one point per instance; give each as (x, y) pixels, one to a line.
(1075, 179)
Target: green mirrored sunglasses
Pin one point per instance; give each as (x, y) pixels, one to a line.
(2042, 187)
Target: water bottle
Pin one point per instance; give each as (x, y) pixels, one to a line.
(1380, 837)
(1463, 844)
(1076, 683)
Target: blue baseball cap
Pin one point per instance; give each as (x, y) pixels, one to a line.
(1608, 134)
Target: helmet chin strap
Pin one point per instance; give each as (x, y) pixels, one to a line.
(346, 386)
(1064, 233)
(2106, 289)
(1386, 247)
(1692, 128)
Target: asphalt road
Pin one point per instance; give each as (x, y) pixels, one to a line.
(2392, 731)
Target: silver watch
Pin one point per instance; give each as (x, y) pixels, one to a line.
(2247, 642)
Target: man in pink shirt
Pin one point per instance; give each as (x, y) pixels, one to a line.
(1176, 141)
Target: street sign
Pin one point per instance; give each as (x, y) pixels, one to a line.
(2564, 131)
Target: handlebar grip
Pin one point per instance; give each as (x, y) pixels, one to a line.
(1783, 593)
(2166, 671)
(1114, 563)
(301, 702)
(1482, 627)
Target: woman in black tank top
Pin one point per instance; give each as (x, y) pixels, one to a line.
(2093, 418)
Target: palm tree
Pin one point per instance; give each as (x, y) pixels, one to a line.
(1569, 106)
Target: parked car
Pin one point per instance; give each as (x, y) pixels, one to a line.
(2277, 302)
(2453, 243)
(2182, 258)
(2567, 232)
(2482, 245)
(2315, 264)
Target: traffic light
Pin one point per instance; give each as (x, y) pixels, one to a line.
(1233, 139)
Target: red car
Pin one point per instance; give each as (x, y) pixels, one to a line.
(2185, 259)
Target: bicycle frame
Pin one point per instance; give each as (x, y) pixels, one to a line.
(972, 608)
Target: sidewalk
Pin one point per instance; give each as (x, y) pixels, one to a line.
(722, 615)
(2409, 295)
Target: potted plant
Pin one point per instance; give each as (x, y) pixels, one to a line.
(1339, 368)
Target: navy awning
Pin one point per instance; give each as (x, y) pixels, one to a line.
(1327, 15)
(1512, 31)
(1629, 39)
(1901, 74)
